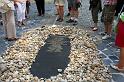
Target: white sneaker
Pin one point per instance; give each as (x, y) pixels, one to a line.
(106, 37)
(102, 33)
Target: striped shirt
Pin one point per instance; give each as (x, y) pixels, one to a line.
(110, 2)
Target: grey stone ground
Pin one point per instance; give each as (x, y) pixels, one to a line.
(107, 50)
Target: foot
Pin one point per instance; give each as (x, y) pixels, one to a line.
(60, 20)
(95, 29)
(12, 39)
(70, 21)
(117, 68)
(75, 23)
(19, 24)
(107, 36)
(103, 33)
(27, 17)
(68, 14)
(24, 23)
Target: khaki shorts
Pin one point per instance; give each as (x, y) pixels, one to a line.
(60, 2)
(108, 13)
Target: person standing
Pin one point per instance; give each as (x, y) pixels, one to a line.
(119, 41)
(60, 9)
(74, 4)
(95, 7)
(9, 21)
(21, 8)
(108, 14)
(40, 7)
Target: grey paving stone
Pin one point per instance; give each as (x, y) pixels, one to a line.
(102, 55)
(107, 52)
(101, 46)
(115, 61)
(113, 58)
(107, 61)
(118, 78)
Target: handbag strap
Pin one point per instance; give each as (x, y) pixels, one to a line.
(120, 12)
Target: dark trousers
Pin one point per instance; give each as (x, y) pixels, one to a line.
(40, 6)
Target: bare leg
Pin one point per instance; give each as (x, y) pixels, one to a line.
(106, 27)
(121, 59)
(58, 10)
(72, 12)
(109, 29)
(76, 13)
(61, 12)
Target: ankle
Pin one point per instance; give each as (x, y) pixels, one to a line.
(120, 66)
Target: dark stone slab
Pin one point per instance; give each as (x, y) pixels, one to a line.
(118, 78)
(52, 56)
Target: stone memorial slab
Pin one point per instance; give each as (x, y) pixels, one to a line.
(52, 57)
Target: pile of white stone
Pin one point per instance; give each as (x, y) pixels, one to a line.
(85, 64)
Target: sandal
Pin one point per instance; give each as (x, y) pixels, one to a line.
(116, 68)
(12, 39)
(95, 29)
(92, 27)
(58, 19)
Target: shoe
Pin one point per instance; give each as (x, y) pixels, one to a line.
(106, 37)
(68, 14)
(19, 24)
(24, 23)
(27, 17)
(60, 20)
(103, 33)
(75, 23)
(94, 29)
(12, 39)
(116, 68)
(70, 21)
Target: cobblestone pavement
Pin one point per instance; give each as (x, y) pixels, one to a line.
(107, 50)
